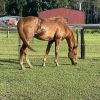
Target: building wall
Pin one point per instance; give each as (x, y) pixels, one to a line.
(73, 16)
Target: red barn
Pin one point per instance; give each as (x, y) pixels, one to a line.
(73, 16)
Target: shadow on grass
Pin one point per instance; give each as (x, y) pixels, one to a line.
(50, 62)
(50, 65)
(96, 59)
(6, 61)
(9, 64)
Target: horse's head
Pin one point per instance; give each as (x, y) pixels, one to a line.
(72, 54)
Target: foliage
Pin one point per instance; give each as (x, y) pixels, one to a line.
(11, 8)
(33, 7)
(2, 6)
(30, 7)
(20, 6)
(74, 4)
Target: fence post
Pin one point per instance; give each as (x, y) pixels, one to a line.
(82, 44)
(8, 33)
(77, 31)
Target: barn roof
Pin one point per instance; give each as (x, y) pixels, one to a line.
(73, 16)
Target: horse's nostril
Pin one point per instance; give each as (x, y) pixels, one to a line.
(74, 63)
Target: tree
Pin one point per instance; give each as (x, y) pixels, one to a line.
(2, 7)
(20, 6)
(11, 7)
(32, 7)
(74, 4)
(15, 7)
(48, 4)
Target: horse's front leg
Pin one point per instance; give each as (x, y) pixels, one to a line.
(47, 51)
(57, 45)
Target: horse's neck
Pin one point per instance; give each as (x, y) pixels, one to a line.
(71, 41)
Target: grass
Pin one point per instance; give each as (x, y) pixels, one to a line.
(66, 82)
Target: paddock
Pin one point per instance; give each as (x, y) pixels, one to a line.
(80, 30)
(50, 83)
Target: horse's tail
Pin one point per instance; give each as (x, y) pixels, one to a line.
(22, 35)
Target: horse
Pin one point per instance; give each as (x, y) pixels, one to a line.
(51, 30)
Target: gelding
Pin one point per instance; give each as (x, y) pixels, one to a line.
(51, 30)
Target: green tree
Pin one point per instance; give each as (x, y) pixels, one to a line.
(2, 7)
(20, 6)
(32, 7)
(11, 7)
(98, 3)
(48, 4)
(74, 4)
(15, 7)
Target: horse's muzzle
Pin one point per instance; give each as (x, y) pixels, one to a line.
(74, 62)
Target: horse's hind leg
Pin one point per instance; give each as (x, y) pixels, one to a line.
(47, 51)
(23, 53)
(22, 56)
(57, 45)
(27, 59)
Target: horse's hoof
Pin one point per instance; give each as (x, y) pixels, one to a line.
(23, 68)
(30, 67)
(43, 65)
(57, 64)
(75, 63)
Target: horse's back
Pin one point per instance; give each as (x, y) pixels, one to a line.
(30, 20)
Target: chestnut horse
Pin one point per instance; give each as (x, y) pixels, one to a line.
(51, 30)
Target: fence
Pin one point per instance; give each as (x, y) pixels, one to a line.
(10, 41)
(82, 28)
(8, 45)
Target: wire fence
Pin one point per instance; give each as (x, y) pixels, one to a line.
(92, 44)
(9, 46)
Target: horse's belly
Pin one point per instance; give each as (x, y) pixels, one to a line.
(44, 37)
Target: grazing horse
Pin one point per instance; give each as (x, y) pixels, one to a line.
(51, 30)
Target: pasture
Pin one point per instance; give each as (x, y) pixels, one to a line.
(66, 82)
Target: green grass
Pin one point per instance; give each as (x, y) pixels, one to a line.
(66, 82)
